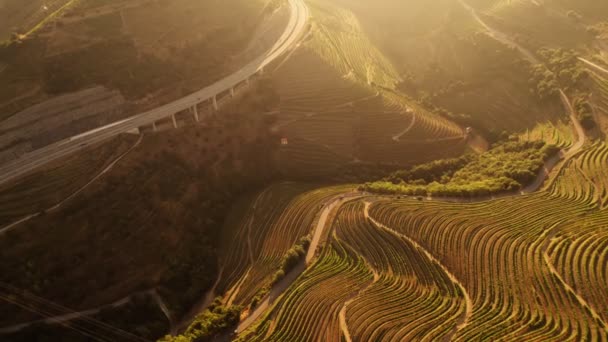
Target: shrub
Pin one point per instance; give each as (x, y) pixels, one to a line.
(276, 277)
(208, 324)
(506, 167)
(291, 258)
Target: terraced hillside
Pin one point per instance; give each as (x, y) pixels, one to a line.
(558, 134)
(256, 240)
(244, 227)
(529, 267)
(312, 311)
(344, 106)
(409, 289)
(460, 69)
(585, 178)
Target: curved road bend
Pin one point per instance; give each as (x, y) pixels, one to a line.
(302, 11)
(550, 164)
(290, 277)
(335, 204)
(501, 37)
(30, 161)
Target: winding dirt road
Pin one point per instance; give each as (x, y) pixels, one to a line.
(578, 128)
(547, 236)
(31, 161)
(467, 299)
(322, 223)
(407, 129)
(280, 287)
(501, 37)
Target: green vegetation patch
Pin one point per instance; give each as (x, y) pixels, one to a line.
(585, 112)
(506, 167)
(565, 70)
(291, 258)
(216, 319)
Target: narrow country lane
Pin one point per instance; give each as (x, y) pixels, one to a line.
(280, 287)
(467, 299)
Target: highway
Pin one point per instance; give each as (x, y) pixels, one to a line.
(30, 161)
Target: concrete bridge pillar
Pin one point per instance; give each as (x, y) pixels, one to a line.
(195, 112)
(174, 120)
(154, 129)
(134, 131)
(232, 92)
(247, 81)
(261, 71)
(215, 106)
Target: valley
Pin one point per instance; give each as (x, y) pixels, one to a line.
(304, 170)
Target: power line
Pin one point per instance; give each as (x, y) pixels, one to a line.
(27, 296)
(82, 331)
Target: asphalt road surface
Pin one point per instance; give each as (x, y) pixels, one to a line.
(37, 158)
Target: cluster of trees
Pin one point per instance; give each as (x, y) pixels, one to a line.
(215, 320)
(565, 66)
(450, 94)
(291, 258)
(507, 167)
(435, 171)
(543, 83)
(560, 70)
(585, 112)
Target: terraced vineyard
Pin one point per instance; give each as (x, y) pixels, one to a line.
(311, 311)
(578, 255)
(341, 41)
(258, 238)
(247, 229)
(450, 67)
(529, 267)
(411, 298)
(331, 119)
(558, 134)
(585, 178)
